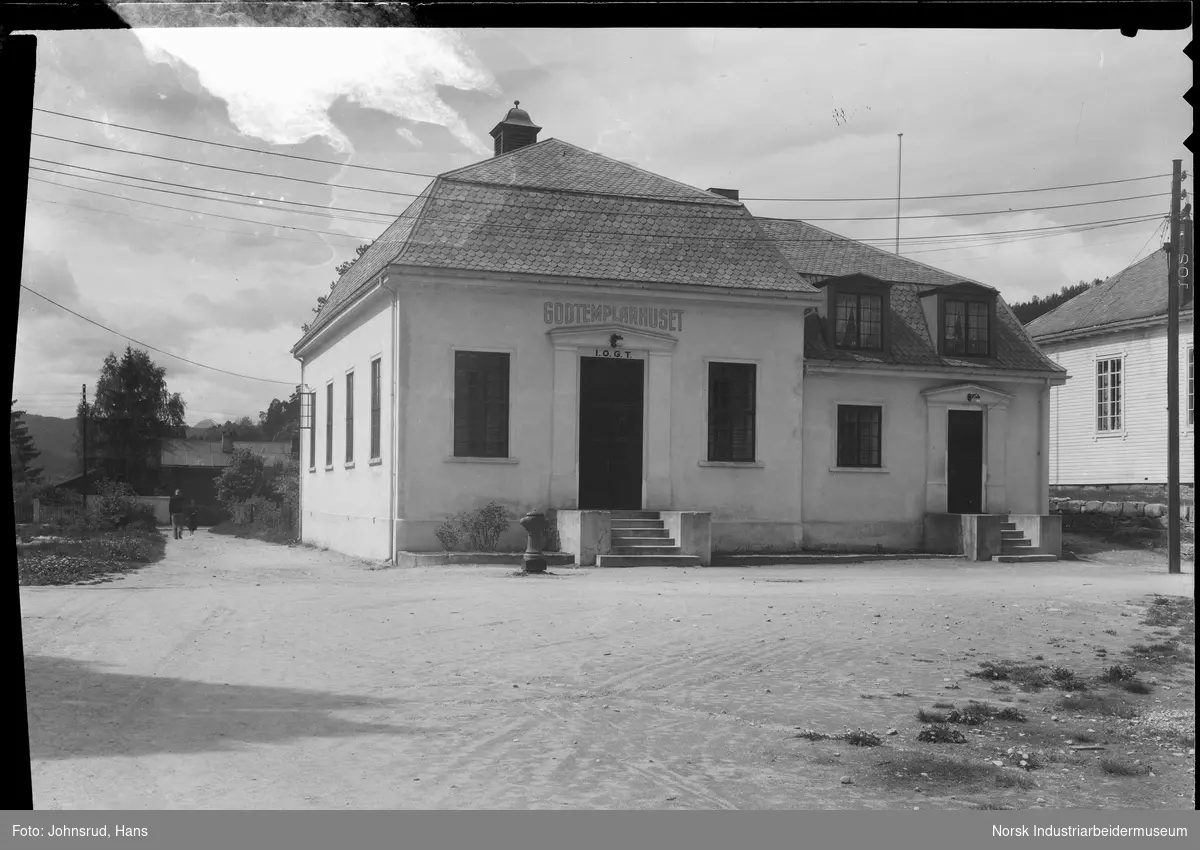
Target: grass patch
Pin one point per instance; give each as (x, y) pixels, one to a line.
(1028, 677)
(1120, 767)
(930, 716)
(992, 807)
(1167, 611)
(1085, 739)
(940, 733)
(811, 735)
(1119, 673)
(901, 694)
(1110, 631)
(861, 738)
(936, 769)
(1008, 779)
(943, 705)
(1135, 687)
(1096, 704)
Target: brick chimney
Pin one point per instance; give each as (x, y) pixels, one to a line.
(731, 194)
(516, 131)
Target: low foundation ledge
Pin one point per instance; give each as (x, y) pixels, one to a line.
(823, 558)
(483, 559)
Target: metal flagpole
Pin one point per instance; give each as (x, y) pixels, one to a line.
(899, 171)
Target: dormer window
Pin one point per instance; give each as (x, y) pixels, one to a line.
(965, 318)
(857, 305)
(858, 320)
(967, 328)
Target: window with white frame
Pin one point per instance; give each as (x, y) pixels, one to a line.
(1109, 394)
(1191, 387)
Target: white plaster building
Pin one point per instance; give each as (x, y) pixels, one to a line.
(1109, 425)
(559, 331)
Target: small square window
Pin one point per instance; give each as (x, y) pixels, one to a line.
(858, 321)
(966, 328)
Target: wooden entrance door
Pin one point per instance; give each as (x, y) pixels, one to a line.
(964, 462)
(610, 434)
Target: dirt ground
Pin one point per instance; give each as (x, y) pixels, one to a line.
(236, 674)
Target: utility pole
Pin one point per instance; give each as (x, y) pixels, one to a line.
(899, 172)
(1173, 565)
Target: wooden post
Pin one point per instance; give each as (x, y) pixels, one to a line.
(1173, 565)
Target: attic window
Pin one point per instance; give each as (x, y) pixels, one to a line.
(966, 327)
(858, 321)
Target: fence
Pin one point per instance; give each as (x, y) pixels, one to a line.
(72, 511)
(22, 511)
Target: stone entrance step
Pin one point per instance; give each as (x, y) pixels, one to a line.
(639, 532)
(635, 515)
(1024, 559)
(647, 560)
(669, 548)
(628, 522)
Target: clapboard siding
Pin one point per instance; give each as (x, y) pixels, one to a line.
(1078, 453)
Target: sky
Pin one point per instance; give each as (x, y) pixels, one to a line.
(783, 113)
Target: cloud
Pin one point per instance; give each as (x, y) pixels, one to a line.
(280, 83)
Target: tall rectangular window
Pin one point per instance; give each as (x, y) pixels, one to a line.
(349, 417)
(1109, 390)
(966, 328)
(731, 412)
(859, 435)
(329, 424)
(312, 440)
(480, 404)
(1191, 387)
(858, 321)
(376, 407)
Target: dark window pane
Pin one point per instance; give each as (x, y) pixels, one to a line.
(859, 435)
(977, 328)
(954, 334)
(350, 417)
(329, 424)
(480, 404)
(376, 407)
(731, 412)
(858, 321)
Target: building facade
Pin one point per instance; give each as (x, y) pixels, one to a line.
(1109, 426)
(554, 330)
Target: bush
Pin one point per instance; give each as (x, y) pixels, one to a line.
(474, 531)
(243, 479)
(940, 733)
(118, 506)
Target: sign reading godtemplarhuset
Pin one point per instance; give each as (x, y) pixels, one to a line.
(569, 313)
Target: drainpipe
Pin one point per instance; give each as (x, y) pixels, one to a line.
(393, 369)
(300, 465)
(1044, 447)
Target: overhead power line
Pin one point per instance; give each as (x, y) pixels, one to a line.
(236, 147)
(645, 196)
(192, 212)
(193, 226)
(151, 347)
(585, 235)
(196, 188)
(535, 207)
(233, 201)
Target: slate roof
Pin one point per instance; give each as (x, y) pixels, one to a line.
(1137, 292)
(555, 209)
(558, 210)
(818, 254)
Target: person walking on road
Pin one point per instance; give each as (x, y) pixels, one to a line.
(175, 507)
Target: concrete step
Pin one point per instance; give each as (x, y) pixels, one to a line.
(644, 541)
(635, 514)
(648, 560)
(619, 549)
(639, 532)
(1013, 534)
(1015, 547)
(636, 523)
(1024, 559)
(1008, 526)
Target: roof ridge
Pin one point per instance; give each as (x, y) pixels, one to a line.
(701, 196)
(553, 191)
(707, 197)
(879, 251)
(504, 155)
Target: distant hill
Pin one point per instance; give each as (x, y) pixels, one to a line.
(55, 439)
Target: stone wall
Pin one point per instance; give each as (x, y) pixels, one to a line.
(1145, 521)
